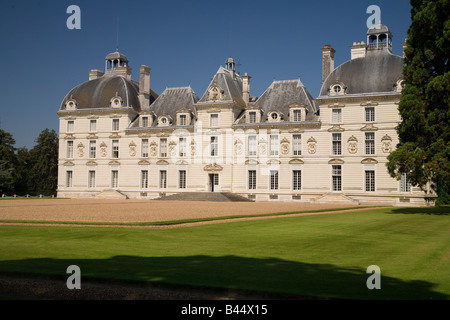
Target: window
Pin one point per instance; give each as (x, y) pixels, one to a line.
(370, 180)
(92, 125)
(252, 117)
(274, 145)
(214, 120)
(370, 142)
(252, 146)
(91, 179)
(297, 115)
(273, 179)
(251, 179)
(144, 179)
(182, 147)
(337, 144)
(274, 116)
(337, 89)
(297, 144)
(114, 179)
(145, 122)
(405, 185)
(92, 149)
(115, 149)
(163, 147)
(337, 178)
(163, 179)
(370, 114)
(183, 120)
(115, 125)
(296, 179)
(182, 179)
(70, 126)
(144, 148)
(214, 146)
(69, 150)
(69, 178)
(336, 116)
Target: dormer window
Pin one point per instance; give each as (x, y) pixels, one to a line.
(164, 121)
(337, 89)
(71, 104)
(145, 122)
(274, 116)
(116, 102)
(183, 120)
(252, 117)
(400, 85)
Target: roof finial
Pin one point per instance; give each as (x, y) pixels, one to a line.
(117, 36)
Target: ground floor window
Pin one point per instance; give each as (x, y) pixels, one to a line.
(370, 180)
(114, 179)
(144, 179)
(273, 179)
(296, 179)
(251, 179)
(337, 178)
(405, 185)
(182, 179)
(163, 179)
(91, 179)
(69, 176)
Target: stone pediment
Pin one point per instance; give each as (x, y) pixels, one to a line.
(251, 162)
(213, 167)
(274, 161)
(369, 161)
(369, 127)
(68, 164)
(143, 163)
(296, 161)
(162, 162)
(91, 163)
(114, 163)
(336, 161)
(336, 128)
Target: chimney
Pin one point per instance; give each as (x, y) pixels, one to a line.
(144, 86)
(358, 49)
(246, 88)
(94, 74)
(124, 71)
(327, 61)
(404, 45)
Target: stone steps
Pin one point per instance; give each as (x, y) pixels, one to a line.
(206, 196)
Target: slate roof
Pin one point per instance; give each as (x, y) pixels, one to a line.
(377, 72)
(281, 95)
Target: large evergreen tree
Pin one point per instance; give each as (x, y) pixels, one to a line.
(8, 161)
(424, 149)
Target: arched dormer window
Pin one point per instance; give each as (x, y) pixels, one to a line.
(399, 85)
(274, 116)
(116, 102)
(337, 89)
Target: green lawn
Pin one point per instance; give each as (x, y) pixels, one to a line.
(322, 255)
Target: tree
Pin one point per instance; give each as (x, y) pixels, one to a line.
(44, 163)
(8, 161)
(5, 176)
(423, 152)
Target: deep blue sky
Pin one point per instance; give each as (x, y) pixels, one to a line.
(183, 41)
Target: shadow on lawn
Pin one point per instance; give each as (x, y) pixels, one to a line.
(442, 211)
(303, 280)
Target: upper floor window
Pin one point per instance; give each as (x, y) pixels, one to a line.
(92, 149)
(115, 149)
(336, 116)
(297, 144)
(115, 125)
(182, 147)
(69, 149)
(337, 144)
(370, 114)
(93, 125)
(163, 147)
(214, 120)
(144, 148)
(274, 145)
(370, 142)
(252, 146)
(70, 126)
(214, 147)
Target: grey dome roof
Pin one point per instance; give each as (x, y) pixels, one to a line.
(116, 55)
(381, 28)
(375, 73)
(97, 93)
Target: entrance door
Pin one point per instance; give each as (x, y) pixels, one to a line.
(213, 182)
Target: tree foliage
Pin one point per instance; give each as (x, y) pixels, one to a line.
(424, 149)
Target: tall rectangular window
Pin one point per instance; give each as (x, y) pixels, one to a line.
(69, 150)
(163, 179)
(114, 179)
(145, 122)
(252, 117)
(92, 149)
(337, 144)
(182, 146)
(252, 146)
(115, 125)
(214, 146)
(297, 115)
(297, 144)
(70, 126)
(115, 149)
(336, 116)
(296, 180)
(337, 178)
(405, 185)
(92, 125)
(183, 120)
(214, 120)
(144, 179)
(274, 146)
(251, 179)
(163, 147)
(91, 179)
(69, 176)
(144, 148)
(182, 179)
(370, 114)
(370, 180)
(273, 179)
(370, 142)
